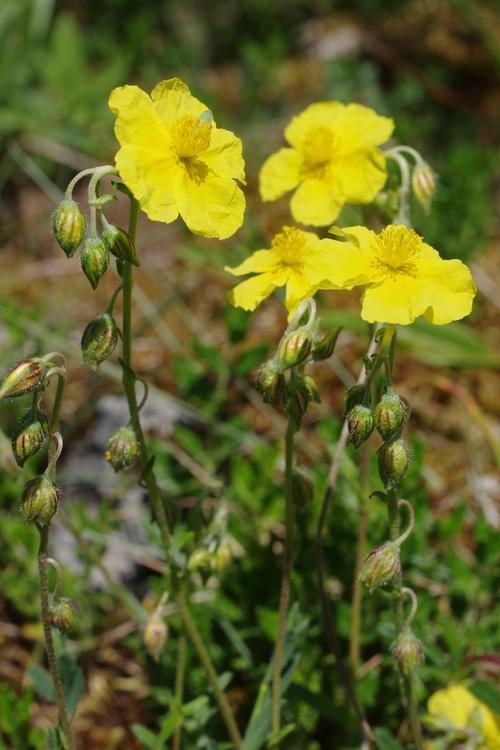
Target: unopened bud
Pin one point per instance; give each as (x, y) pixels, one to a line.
(99, 339)
(324, 345)
(424, 185)
(155, 634)
(223, 556)
(30, 437)
(393, 460)
(295, 348)
(408, 651)
(387, 202)
(269, 382)
(95, 260)
(23, 378)
(312, 389)
(391, 414)
(353, 397)
(296, 401)
(63, 614)
(380, 566)
(302, 491)
(360, 424)
(120, 244)
(200, 558)
(122, 448)
(39, 500)
(69, 226)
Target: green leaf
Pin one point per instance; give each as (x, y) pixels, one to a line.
(385, 740)
(487, 694)
(250, 359)
(42, 682)
(145, 735)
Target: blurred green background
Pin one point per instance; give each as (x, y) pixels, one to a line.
(434, 66)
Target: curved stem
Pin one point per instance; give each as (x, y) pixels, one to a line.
(112, 301)
(414, 604)
(55, 566)
(47, 630)
(403, 215)
(411, 522)
(285, 581)
(91, 170)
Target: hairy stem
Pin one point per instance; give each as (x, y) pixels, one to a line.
(180, 673)
(47, 630)
(357, 589)
(285, 580)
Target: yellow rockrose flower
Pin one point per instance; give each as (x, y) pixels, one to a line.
(333, 159)
(298, 260)
(456, 707)
(176, 161)
(404, 277)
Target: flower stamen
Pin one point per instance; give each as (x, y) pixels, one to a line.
(290, 246)
(190, 136)
(395, 251)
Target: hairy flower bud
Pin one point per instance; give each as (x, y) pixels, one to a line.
(360, 424)
(393, 460)
(295, 348)
(63, 614)
(122, 448)
(99, 339)
(312, 389)
(353, 397)
(69, 226)
(380, 566)
(302, 491)
(200, 558)
(95, 260)
(39, 500)
(424, 185)
(155, 634)
(391, 414)
(408, 651)
(120, 244)
(222, 557)
(269, 382)
(30, 437)
(23, 378)
(324, 345)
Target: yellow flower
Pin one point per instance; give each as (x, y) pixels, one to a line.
(404, 277)
(333, 159)
(298, 260)
(176, 161)
(455, 706)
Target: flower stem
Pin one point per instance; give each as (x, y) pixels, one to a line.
(285, 580)
(357, 588)
(149, 477)
(180, 673)
(408, 686)
(47, 630)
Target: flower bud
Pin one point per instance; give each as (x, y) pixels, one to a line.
(380, 566)
(99, 339)
(95, 260)
(223, 556)
(155, 634)
(302, 491)
(393, 459)
(324, 345)
(312, 389)
(353, 397)
(269, 382)
(23, 378)
(391, 414)
(359, 424)
(295, 348)
(122, 448)
(297, 401)
(424, 185)
(39, 500)
(68, 223)
(63, 614)
(120, 244)
(200, 558)
(408, 651)
(30, 437)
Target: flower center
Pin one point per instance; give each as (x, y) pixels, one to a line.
(396, 251)
(190, 136)
(290, 246)
(317, 149)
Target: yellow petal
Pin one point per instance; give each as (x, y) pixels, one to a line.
(360, 128)
(259, 262)
(297, 289)
(461, 708)
(136, 120)
(315, 203)
(449, 288)
(279, 174)
(211, 205)
(251, 292)
(335, 265)
(321, 114)
(393, 300)
(173, 100)
(360, 175)
(362, 237)
(225, 154)
(150, 177)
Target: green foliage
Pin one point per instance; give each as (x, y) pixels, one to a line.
(15, 721)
